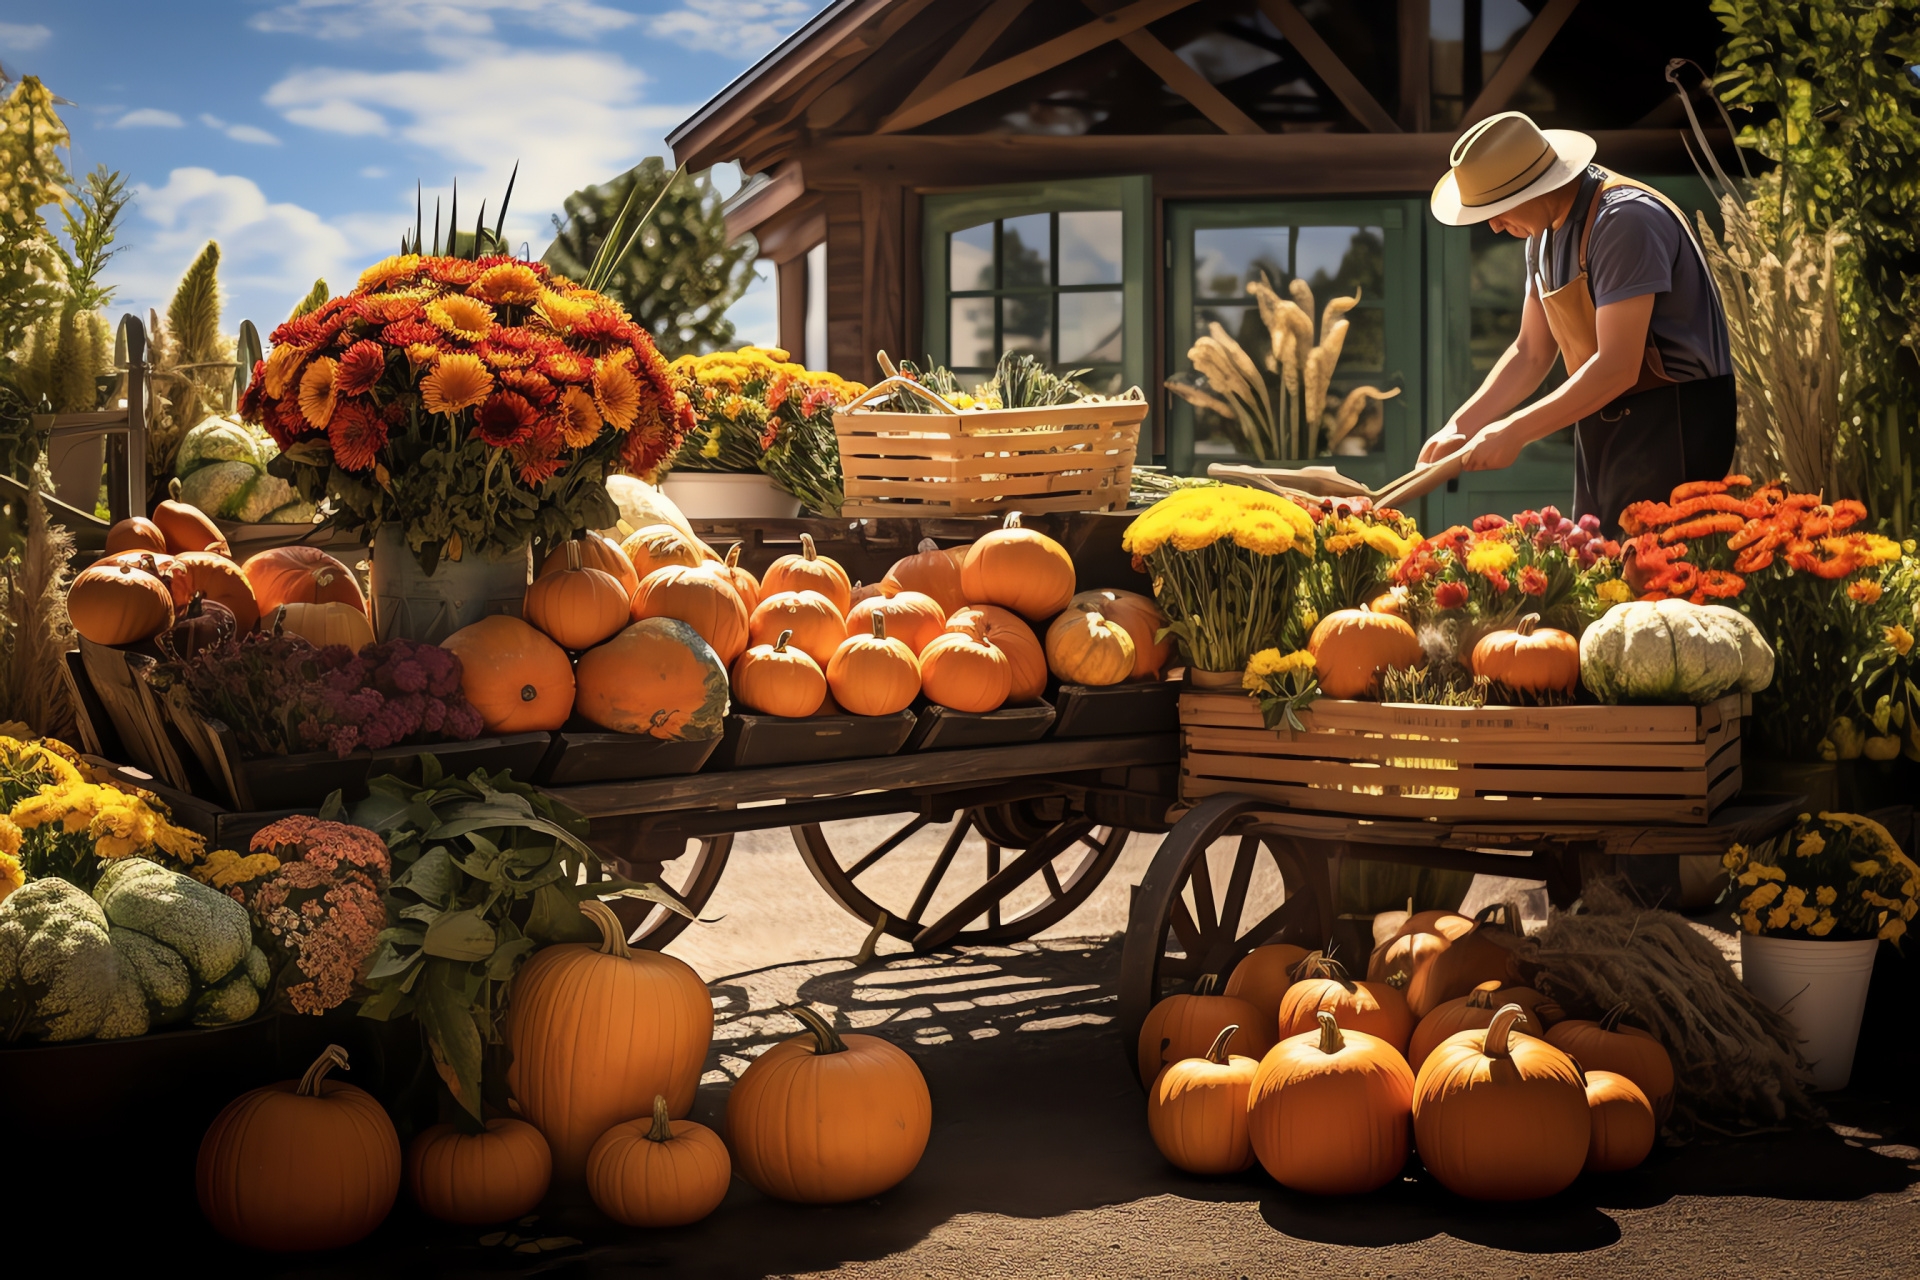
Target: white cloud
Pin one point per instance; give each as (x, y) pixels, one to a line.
(20, 37)
(373, 171)
(240, 132)
(149, 118)
(437, 19)
(735, 28)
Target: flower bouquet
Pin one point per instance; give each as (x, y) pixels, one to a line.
(1359, 548)
(755, 411)
(61, 821)
(1886, 695)
(1834, 875)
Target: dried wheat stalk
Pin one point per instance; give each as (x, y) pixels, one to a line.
(38, 630)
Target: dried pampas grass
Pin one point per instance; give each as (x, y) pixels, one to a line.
(33, 612)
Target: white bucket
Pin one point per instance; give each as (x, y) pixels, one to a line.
(1821, 987)
(728, 495)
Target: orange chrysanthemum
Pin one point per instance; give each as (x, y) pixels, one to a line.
(422, 355)
(510, 283)
(360, 368)
(615, 391)
(467, 319)
(356, 434)
(582, 426)
(1718, 584)
(505, 419)
(563, 365)
(459, 381)
(458, 272)
(282, 362)
(317, 393)
(387, 270)
(1865, 591)
(503, 357)
(562, 311)
(527, 383)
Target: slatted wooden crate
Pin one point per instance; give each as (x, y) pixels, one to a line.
(1075, 457)
(1645, 765)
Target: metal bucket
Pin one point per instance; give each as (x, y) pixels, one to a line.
(411, 605)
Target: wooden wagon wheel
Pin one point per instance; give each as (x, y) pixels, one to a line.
(1070, 856)
(692, 875)
(1187, 919)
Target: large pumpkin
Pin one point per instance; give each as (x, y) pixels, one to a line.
(576, 606)
(597, 1032)
(1085, 648)
(930, 572)
(1466, 962)
(1019, 569)
(657, 677)
(817, 625)
(324, 624)
(1612, 1045)
(135, 533)
(597, 551)
(1263, 976)
(779, 680)
(496, 1175)
(1009, 633)
(1471, 1012)
(666, 1173)
(656, 546)
(703, 598)
(874, 675)
(517, 679)
(966, 674)
(186, 527)
(1328, 1111)
(157, 564)
(300, 575)
(1183, 1025)
(911, 617)
(1672, 651)
(826, 1118)
(808, 570)
(303, 1164)
(1529, 659)
(1498, 1116)
(1142, 620)
(1197, 1109)
(1352, 647)
(1321, 985)
(119, 604)
(1621, 1124)
(218, 578)
(1410, 948)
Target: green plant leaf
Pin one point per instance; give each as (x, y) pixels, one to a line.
(508, 957)
(555, 917)
(453, 1040)
(432, 877)
(460, 935)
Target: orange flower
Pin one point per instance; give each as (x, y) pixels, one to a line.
(1722, 522)
(510, 283)
(422, 355)
(459, 381)
(561, 311)
(615, 392)
(505, 419)
(1718, 584)
(282, 362)
(388, 270)
(357, 435)
(563, 365)
(360, 368)
(1696, 488)
(317, 392)
(582, 425)
(1865, 591)
(1900, 639)
(465, 318)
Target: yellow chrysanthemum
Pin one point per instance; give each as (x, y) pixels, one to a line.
(581, 424)
(1614, 591)
(1899, 639)
(387, 270)
(1262, 534)
(568, 366)
(465, 318)
(317, 396)
(1388, 543)
(1795, 895)
(12, 874)
(1749, 922)
(1871, 867)
(1194, 534)
(1873, 548)
(1824, 925)
(224, 868)
(1271, 662)
(1760, 897)
(459, 381)
(10, 836)
(1490, 557)
(1825, 895)
(562, 311)
(281, 362)
(1811, 844)
(510, 283)
(1777, 918)
(616, 393)
(422, 355)
(1893, 930)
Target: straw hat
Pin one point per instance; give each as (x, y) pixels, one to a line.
(1503, 161)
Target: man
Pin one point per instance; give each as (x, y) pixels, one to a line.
(1618, 288)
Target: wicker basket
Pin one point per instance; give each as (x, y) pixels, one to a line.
(1072, 457)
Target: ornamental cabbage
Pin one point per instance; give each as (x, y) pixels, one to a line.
(189, 947)
(216, 440)
(61, 977)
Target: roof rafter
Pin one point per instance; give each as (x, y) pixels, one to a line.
(1183, 79)
(967, 50)
(1519, 64)
(1334, 73)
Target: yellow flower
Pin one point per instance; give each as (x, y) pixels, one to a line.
(316, 392)
(1195, 534)
(1766, 872)
(1341, 543)
(388, 270)
(1760, 897)
(616, 392)
(1899, 639)
(1388, 543)
(1866, 591)
(281, 362)
(1777, 918)
(225, 868)
(1490, 557)
(1733, 857)
(1614, 591)
(1750, 922)
(1794, 896)
(1823, 926)
(1810, 844)
(1871, 867)
(459, 381)
(1262, 535)
(1804, 916)
(12, 875)
(580, 425)
(1271, 662)
(1874, 548)
(513, 283)
(561, 311)
(422, 355)
(1893, 930)
(465, 318)
(1825, 895)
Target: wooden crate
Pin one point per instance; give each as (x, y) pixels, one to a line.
(1076, 457)
(1644, 765)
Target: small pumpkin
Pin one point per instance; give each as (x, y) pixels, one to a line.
(1471, 1012)
(745, 585)
(1197, 1109)
(186, 527)
(1466, 962)
(1019, 569)
(300, 575)
(1410, 948)
(118, 604)
(965, 674)
(826, 1118)
(779, 680)
(496, 1175)
(517, 679)
(1499, 1116)
(1529, 659)
(656, 677)
(703, 598)
(930, 572)
(665, 1174)
(1328, 1111)
(1142, 620)
(817, 626)
(911, 617)
(808, 570)
(1009, 633)
(203, 624)
(135, 533)
(1352, 647)
(1321, 984)
(1263, 976)
(1613, 1045)
(218, 578)
(325, 624)
(1393, 600)
(597, 551)
(1672, 651)
(655, 546)
(874, 675)
(577, 607)
(341, 1186)
(1085, 648)
(1622, 1127)
(158, 564)
(1184, 1024)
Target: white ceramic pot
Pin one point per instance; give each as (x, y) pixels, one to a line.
(1821, 987)
(728, 495)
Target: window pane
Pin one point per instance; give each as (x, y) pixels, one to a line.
(970, 258)
(1026, 324)
(1336, 260)
(1365, 349)
(1091, 325)
(970, 336)
(1025, 246)
(1103, 380)
(1089, 250)
(1227, 259)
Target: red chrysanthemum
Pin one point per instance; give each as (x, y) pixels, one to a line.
(360, 368)
(1450, 595)
(285, 423)
(536, 459)
(1488, 523)
(505, 419)
(459, 272)
(408, 333)
(1532, 581)
(604, 324)
(528, 383)
(564, 365)
(255, 395)
(357, 434)
(301, 332)
(385, 309)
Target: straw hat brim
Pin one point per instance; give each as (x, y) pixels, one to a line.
(1573, 152)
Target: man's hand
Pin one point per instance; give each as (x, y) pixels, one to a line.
(1446, 441)
(1495, 448)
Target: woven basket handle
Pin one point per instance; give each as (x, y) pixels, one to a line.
(887, 386)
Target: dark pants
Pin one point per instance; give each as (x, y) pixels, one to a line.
(1643, 446)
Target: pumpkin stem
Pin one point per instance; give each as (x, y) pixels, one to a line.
(1321, 965)
(1218, 1052)
(193, 605)
(826, 1039)
(279, 621)
(1013, 521)
(879, 625)
(928, 546)
(1331, 1041)
(1481, 997)
(173, 489)
(330, 1057)
(806, 547)
(662, 1130)
(573, 556)
(1205, 984)
(613, 934)
(1526, 625)
(1610, 1020)
(733, 556)
(780, 645)
(1503, 1024)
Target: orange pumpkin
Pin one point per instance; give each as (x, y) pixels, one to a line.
(157, 564)
(186, 527)
(865, 591)
(597, 1032)
(218, 578)
(657, 677)
(1322, 985)
(300, 575)
(496, 1175)
(1394, 601)
(826, 1118)
(1351, 647)
(1263, 976)
(1409, 949)
(339, 1188)
(324, 624)
(745, 585)
(874, 675)
(517, 679)
(1140, 618)
(656, 546)
(911, 617)
(701, 597)
(578, 607)
(201, 625)
(1471, 1012)
(1529, 659)
(810, 571)
(1612, 1045)
(1498, 1116)
(1197, 1110)
(817, 626)
(1327, 1112)
(597, 551)
(1007, 632)
(135, 533)
(119, 604)
(966, 674)
(665, 1174)
(779, 680)
(1085, 648)
(1019, 569)
(1183, 1025)
(1466, 962)
(1621, 1124)
(931, 572)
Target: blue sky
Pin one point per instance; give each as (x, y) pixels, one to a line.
(292, 131)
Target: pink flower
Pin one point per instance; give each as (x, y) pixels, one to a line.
(1488, 523)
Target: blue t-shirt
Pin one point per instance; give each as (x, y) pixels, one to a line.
(1639, 247)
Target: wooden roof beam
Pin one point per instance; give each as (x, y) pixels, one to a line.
(1334, 73)
(1183, 79)
(967, 50)
(1031, 62)
(1519, 64)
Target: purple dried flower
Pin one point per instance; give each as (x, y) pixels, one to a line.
(463, 722)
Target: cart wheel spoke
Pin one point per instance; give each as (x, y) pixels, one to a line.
(940, 865)
(1203, 905)
(653, 926)
(1053, 880)
(887, 846)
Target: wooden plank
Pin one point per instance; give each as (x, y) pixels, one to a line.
(1416, 65)
(847, 351)
(998, 428)
(1031, 62)
(1519, 62)
(791, 288)
(883, 265)
(908, 508)
(967, 50)
(957, 469)
(1082, 481)
(1558, 810)
(1363, 777)
(1183, 79)
(1327, 65)
(1340, 746)
(1403, 720)
(784, 187)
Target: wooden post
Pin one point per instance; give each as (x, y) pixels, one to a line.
(1416, 66)
(848, 352)
(883, 263)
(791, 277)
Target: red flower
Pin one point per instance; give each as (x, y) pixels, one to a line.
(1450, 595)
(527, 383)
(537, 459)
(285, 423)
(386, 309)
(1718, 584)
(1533, 582)
(1498, 581)
(505, 419)
(360, 368)
(455, 271)
(1488, 523)
(357, 435)
(254, 398)
(408, 333)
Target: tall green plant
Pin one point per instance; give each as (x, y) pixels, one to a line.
(192, 363)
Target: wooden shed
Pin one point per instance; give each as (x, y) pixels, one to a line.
(1100, 182)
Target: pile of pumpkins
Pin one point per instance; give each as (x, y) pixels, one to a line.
(608, 1045)
(171, 580)
(1437, 1051)
(657, 634)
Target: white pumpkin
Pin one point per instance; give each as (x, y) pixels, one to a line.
(1667, 651)
(641, 504)
(1756, 655)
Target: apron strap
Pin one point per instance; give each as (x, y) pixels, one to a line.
(1613, 180)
